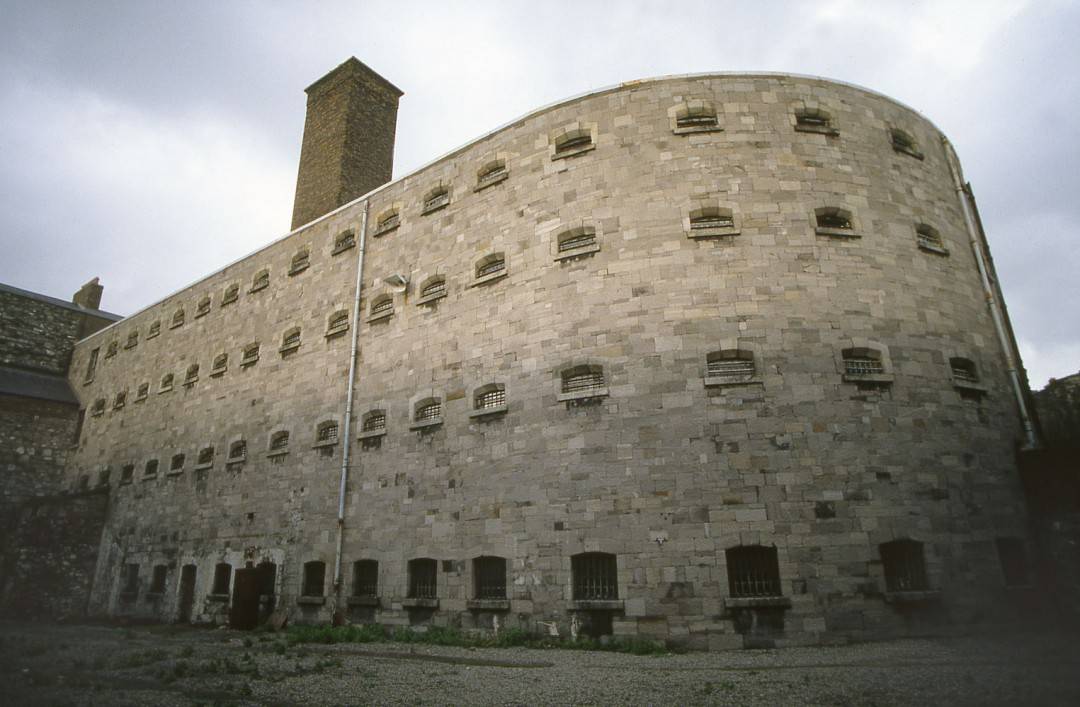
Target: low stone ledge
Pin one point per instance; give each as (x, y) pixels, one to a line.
(488, 604)
(363, 601)
(418, 603)
(311, 601)
(757, 603)
(924, 596)
(598, 604)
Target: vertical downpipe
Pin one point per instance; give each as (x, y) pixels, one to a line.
(346, 447)
(1030, 440)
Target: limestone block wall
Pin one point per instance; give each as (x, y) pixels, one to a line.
(662, 471)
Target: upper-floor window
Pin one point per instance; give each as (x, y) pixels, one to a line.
(220, 365)
(374, 421)
(250, 356)
(300, 262)
(729, 366)
(232, 293)
(142, 393)
(206, 456)
(344, 241)
(711, 220)
(177, 463)
(203, 307)
(154, 330)
(98, 407)
(120, 400)
(290, 341)
(381, 307)
(112, 348)
(834, 221)
(490, 397)
(490, 174)
(595, 576)
(427, 412)
(695, 116)
(574, 141)
(434, 288)
(337, 323)
(753, 571)
(132, 339)
(576, 241)
(387, 221)
(166, 383)
(928, 238)
(237, 451)
(490, 267)
(149, 469)
(192, 375)
(327, 432)
(903, 142)
(261, 280)
(279, 441)
(177, 318)
(583, 382)
(91, 366)
(437, 198)
(904, 565)
(814, 120)
(862, 361)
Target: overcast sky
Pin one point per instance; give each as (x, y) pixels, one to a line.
(149, 143)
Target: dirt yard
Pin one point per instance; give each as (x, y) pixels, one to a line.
(168, 665)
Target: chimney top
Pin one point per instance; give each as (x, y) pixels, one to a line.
(89, 295)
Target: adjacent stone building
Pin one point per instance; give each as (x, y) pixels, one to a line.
(702, 358)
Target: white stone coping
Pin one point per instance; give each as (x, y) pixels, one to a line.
(583, 394)
(485, 412)
(426, 424)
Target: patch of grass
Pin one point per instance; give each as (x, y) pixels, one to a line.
(187, 651)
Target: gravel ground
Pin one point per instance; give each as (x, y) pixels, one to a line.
(167, 665)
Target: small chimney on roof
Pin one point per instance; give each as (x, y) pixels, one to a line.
(348, 146)
(89, 295)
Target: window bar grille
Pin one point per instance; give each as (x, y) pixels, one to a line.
(435, 289)
(905, 569)
(730, 368)
(375, 421)
(490, 578)
(711, 221)
(388, 224)
(834, 221)
(811, 119)
(593, 380)
(964, 373)
(328, 433)
(366, 578)
(492, 267)
(491, 399)
(862, 366)
(574, 143)
(753, 572)
(422, 579)
(595, 578)
(382, 306)
(695, 120)
(577, 241)
(492, 174)
(429, 412)
(280, 441)
(436, 200)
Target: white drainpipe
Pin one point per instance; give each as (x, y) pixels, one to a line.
(346, 446)
(1031, 441)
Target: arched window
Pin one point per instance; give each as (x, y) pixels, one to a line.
(583, 382)
(232, 293)
(337, 323)
(814, 120)
(166, 383)
(834, 221)
(290, 341)
(98, 407)
(381, 307)
(177, 463)
(695, 116)
(155, 329)
(428, 411)
(433, 288)
(237, 451)
(327, 432)
(862, 361)
(928, 238)
(490, 267)
(595, 576)
(279, 441)
(729, 366)
(573, 142)
(177, 318)
(261, 281)
(192, 375)
(576, 241)
(903, 142)
(490, 397)
(491, 173)
(963, 370)
(344, 242)
(132, 339)
(436, 199)
(374, 421)
(206, 456)
(250, 356)
(753, 571)
(203, 307)
(387, 221)
(120, 400)
(221, 364)
(300, 262)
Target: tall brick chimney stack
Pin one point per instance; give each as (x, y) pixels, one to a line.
(348, 147)
(89, 295)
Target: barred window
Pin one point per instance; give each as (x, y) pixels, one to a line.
(862, 362)
(337, 323)
(753, 571)
(699, 115)
(489, 577)
(150, 469)
(130, 585)
(221, 364)
(238, 450)
(904, 143)
(232, 293)
(251, 355)
(963, 370)
(157, 583)
(573, 142)
(436, 199)
(423, 578)
(327, 431)
(576, 238)
(132, 339)
(711, 217)
(814, 120)
(343, 242)
(222, 578)
(143, 391)
(428, 411)
(203, 307)
(433, 288)
(904, 565)
(120, 400)
(300, 262)
(490, 265)
(128, 471)
(373, 421)
(98, 407)
(582, 379)
(206, 455)
(387, 222)
(261, 281)
(314, 578)
(112, 349)
(192, 375)
(155, 329)
(365, 578)
(595, 576)
(491, 173)
(279, 441)
(927, 238)
(166, 383)
(177, 318)
(91, 366)
(177, 462)
(290, 340)
(730, 364)
(383, 304)
(833, 218)
(103, 475)
(490, 396)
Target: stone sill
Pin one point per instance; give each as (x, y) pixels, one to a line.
(217, 597)
(913, 597)
(371, 434)
(933, 249)
(118, 407)
(884, 378)
(426, 424)
(338, 250)
(909, 152)
(311, 601)
(228, 301)
(191, 381)
(149, 477)
(363, 601)
(154, 596)
(490, 278)
(488, 604)
(289, 349)
(198, 315)
(131, 346)
(597, 604)
(383, 231)
(277, 453)
(174, 472)
(721, 382)
(253, 290)
(819, 129)
(97, 413)
(298, 270)
(249, 362)
(484, 412)
(583, 394)
(381, 316)
(836, 232)
(141, 400)
(415, 603)
(235, 461)
(757, 602)
(218, 372)
(691, 129)
(128, 596)
(434, 207)
(712, 232)
(430, 299)
(165, 390)
(126, 483)
(574, 151)
(326, 443)
(576, 252)
(209, 465)
(973, 387)
(88, 381)
(480, 186)
(171, 326)
(331, 333)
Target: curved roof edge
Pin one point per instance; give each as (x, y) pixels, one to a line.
(521, 119)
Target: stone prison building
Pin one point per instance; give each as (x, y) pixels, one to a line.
(718, 359)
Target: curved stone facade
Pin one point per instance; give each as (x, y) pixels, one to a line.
(733, 311)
